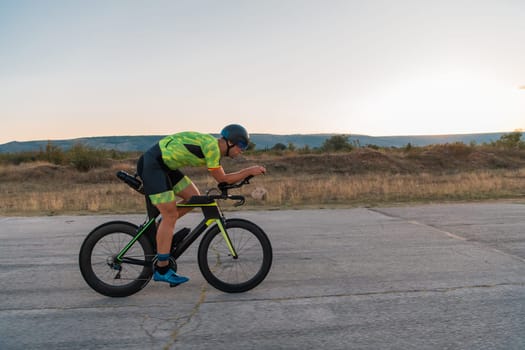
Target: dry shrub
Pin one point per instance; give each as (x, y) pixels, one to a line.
(362, 177)
(318, 190)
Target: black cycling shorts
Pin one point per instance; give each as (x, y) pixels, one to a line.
(161, 183)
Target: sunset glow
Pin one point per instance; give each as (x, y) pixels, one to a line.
(352, 67)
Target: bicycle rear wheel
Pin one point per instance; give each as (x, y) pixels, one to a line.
(235, 275)
(99, 267)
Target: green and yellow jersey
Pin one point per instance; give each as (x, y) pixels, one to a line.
(190, 148)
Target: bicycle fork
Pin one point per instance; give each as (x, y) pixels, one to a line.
(225, 236)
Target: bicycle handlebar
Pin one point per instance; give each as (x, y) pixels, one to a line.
(224, 187)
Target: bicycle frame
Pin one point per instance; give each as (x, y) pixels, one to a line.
(212, 215)
(118, 258)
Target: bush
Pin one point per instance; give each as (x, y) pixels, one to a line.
(52, 154)
(84, 158)
(17, 158)
(510, 141)
(279, 147)
(336, 143)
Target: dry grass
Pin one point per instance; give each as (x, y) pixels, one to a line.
(358, 178)
(374, 189)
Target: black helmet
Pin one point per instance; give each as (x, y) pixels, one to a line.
(237, 135)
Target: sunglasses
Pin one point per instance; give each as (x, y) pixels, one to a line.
(242, 145)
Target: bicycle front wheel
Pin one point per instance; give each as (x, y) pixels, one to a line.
(248, 269)
(101, 271)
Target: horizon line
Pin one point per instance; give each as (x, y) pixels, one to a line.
(277, 134)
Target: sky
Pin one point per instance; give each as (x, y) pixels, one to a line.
(72, 68)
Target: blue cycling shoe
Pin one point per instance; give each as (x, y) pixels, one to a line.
(171, 277)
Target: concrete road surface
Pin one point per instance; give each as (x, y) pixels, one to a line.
(426, 277)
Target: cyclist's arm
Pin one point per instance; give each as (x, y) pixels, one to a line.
(220, 176)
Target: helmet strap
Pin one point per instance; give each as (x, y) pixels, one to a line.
(228, 147)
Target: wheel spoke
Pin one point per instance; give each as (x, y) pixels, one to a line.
(100, 268)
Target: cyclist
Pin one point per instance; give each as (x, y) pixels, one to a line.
(159, 168)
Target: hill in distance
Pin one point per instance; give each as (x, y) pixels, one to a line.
(262, 141)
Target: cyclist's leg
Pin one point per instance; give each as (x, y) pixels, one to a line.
(163, 272)
(158, 188)
(185, 189)
(165, 230)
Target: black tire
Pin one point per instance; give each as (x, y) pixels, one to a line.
(97, 255)
(231, 275)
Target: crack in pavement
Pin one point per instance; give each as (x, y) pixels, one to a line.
(414, 222)
(151, 325)
(449, 234)
(189, 317)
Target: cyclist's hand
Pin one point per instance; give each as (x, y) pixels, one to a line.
(257, 170)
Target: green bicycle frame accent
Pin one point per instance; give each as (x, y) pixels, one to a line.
(226, 239)
(143, 229)
(212, 215)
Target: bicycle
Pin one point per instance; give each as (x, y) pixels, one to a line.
(117, 258)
